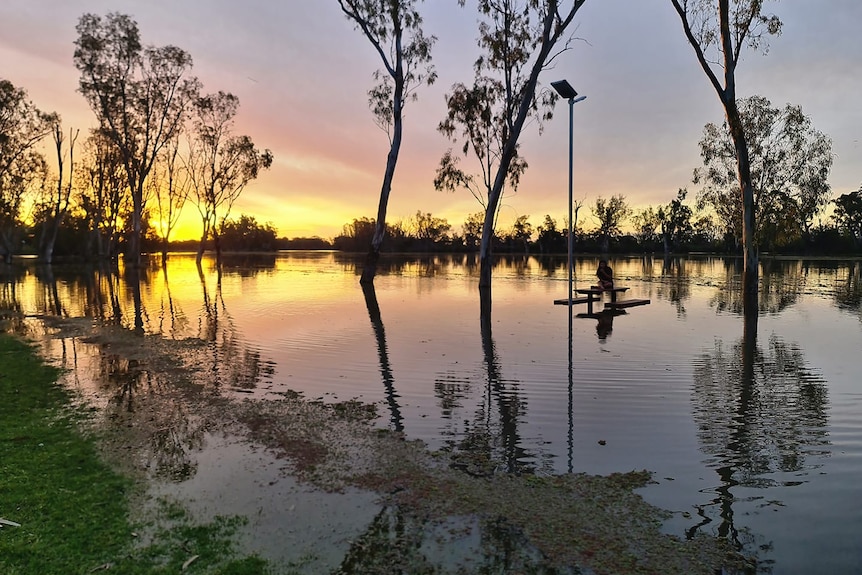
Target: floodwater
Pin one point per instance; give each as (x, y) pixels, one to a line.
(753, 435)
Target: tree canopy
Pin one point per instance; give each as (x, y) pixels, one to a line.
(790, 162)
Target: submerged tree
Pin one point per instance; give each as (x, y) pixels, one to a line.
(394, 28)
(789, 161)
(139, 95)
(519, 40)
(220, 164)
(718, 30)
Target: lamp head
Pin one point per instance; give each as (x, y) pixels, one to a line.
(564, 89)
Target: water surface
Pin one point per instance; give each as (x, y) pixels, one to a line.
(752, 436)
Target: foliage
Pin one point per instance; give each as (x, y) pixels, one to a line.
(550, 239)
(610, 215)
(139, 95)
(245, 234)
(220, 164)
(22, 168)
(518, 40)
(428, 229)
(675, 220)
(848, 215)
(472, 228)
(102, 196)
(645, 223)
(356, 235)
(789, 161)
(170, 185)
(718, 31)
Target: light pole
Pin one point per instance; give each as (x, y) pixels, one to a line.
(565, 90)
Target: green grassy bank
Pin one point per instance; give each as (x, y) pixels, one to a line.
(64, 511)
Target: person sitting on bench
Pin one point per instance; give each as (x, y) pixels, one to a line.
(605, 275)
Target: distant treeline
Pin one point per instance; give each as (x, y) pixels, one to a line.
(674, 228)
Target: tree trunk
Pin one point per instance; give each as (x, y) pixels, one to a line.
(370, 269)
(486, 247)
(200, 255)
(133, 252)
(749, 240)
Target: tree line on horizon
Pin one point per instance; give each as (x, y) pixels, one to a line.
(671, 229)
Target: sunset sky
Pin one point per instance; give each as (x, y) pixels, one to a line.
(302, 72)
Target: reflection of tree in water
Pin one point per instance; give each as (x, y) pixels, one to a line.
(136, 392)
(395, 418)
(492, 442)
(759, 411)
(675, 286)
(247, 265)
(450, 390)
(11, 276)
(552, 266)
(397, 543)
(848, 292)
(782, 282)
(230, 361)
(517, 265)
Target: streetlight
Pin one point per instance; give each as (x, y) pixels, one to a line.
(565, 90)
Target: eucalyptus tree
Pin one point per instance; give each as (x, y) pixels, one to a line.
(170, 185)
(789, 165)
(394, 28)
(22, 166)
(675, 221)
(472, 228)
(718, 31)
(518, 39)
(57, 201)
(645, 222)
(848, 215)
(139, 96)
(610, 214)
(102, 194)
(220, 164)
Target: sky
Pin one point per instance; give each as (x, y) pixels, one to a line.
(302, 72)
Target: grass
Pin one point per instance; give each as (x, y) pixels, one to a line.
(74, 511)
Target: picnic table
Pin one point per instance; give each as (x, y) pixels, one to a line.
(595, 293)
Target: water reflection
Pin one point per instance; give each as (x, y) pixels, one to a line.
(396, 542)
(163, 431)
(231, 362)
(396, 420)
(782, 283)
(676, 284)
(604, 321)
(492, 440)
(848, 293)
(761, 415)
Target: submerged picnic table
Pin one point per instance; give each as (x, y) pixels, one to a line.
(595, 294)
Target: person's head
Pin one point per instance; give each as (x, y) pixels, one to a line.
(603, 263)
